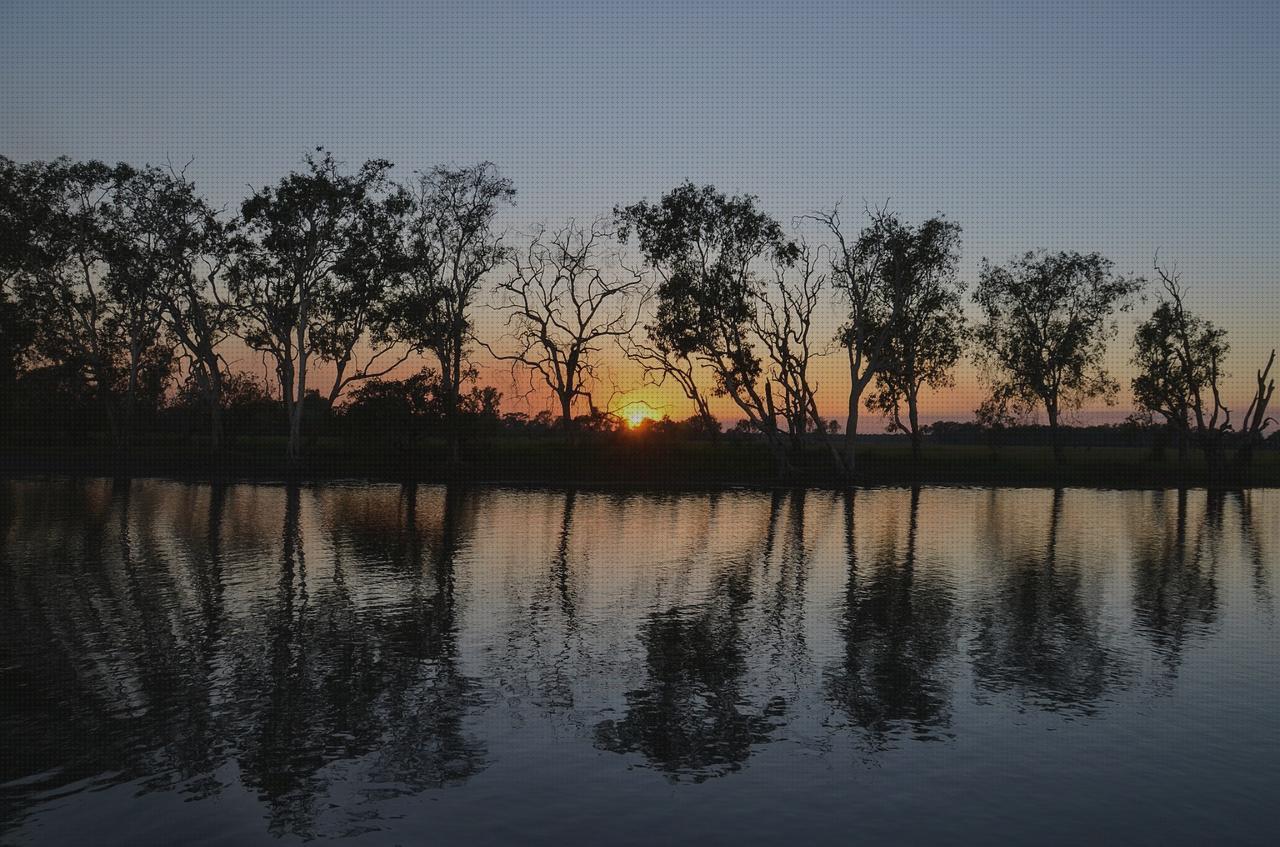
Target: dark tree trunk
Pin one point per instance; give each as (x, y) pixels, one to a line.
(113, 422)
(836, 460)
(293, 411)
(851, 433)
(566, 411)
(212, 379)
(215, 427)
(1054, 437)
(913, 420)
(782, 466)
(294, 454)
(452, 402)
(1211, 446)
(131, 404)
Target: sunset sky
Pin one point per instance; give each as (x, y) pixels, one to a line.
(1122, 128)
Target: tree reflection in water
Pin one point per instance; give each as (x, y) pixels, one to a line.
(326, 652)
(308, 685)
(691, 719)
(105, 678)
(1175, 596)
(344, 681)
(1035, 637)
(896, 627)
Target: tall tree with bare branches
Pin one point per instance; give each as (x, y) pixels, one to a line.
(564, 297)
(1180, 357)
(1256, 419)
(784, 316)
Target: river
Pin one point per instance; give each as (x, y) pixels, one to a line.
(251, 664)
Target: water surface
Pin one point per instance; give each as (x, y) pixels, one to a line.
(260, 664)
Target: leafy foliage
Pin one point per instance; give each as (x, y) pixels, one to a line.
(451, 245)
(927, 335)
(1047, 318)
(706, 246)
(1179, 358)
(313, 267)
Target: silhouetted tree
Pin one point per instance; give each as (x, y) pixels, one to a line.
(1047, 318)
(137, 256)
(406, 408)
(313, 275)
(562, 303)
(1179, 358)
(85, 290)
(786, 307)
(179, 250)
(705, 247)
(17, 333)
(21, 209)
(1256, 420)
(874, 274)
(452, 246)
(926, 339)
(396, 407)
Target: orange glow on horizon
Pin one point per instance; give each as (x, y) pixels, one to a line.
(637, 413)
(829, 374)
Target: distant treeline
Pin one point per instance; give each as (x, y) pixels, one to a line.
(122, 289)
(1131, 433)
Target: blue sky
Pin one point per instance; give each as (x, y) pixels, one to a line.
(1118, 127)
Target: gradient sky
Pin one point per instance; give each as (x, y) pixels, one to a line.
(1117, 127)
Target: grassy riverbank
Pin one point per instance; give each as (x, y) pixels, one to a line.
(638, 463)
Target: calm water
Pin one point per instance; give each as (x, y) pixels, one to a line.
(258, 664)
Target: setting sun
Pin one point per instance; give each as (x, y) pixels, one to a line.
(639, 412)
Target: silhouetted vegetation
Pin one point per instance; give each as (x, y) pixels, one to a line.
(705, 247)
(561, 305)
(1047, 320)
(125, 298)
(1180, 358)
(925, 337)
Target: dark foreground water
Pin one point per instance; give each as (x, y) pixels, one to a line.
(250, 664)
